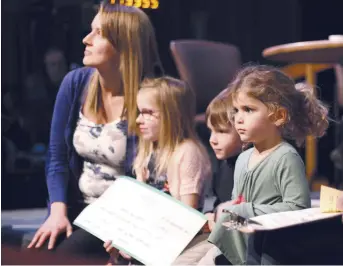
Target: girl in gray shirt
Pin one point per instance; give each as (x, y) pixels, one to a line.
(268, 110)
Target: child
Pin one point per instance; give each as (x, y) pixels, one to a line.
(226, 145)
(170, 156)
(268, 110)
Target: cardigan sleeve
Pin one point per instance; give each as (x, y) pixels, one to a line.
(57, 168)
(290, 179)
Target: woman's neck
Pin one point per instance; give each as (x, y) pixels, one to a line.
(110, 82)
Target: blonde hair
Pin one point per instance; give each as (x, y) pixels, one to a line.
(217, 112)
(176, 104)
(129, 30)
(306, 115)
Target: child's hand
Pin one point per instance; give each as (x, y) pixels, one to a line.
(144, 176)
(208, 227)
(124, 255)
(114, 253)
(226, 204)
(239, 200)
(221, 207)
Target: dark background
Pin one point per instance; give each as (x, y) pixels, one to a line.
(29, 27)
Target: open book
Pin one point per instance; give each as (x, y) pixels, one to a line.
(331, 205)
(284, 219)
(331, 199)
(142, 221)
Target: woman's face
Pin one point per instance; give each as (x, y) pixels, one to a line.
(99, 52)
(149, 118)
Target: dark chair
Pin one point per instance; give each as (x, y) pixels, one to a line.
(206, 66)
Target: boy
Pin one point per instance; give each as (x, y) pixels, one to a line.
(226, 145)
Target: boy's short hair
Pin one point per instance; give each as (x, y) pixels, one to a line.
(217, 112)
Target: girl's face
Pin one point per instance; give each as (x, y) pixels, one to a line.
(99, 52)
(252, 119)
(149, 118)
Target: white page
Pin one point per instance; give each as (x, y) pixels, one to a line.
(145, 223)
(285, 219)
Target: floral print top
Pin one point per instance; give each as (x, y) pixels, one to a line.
(158, 182)
(103, 147)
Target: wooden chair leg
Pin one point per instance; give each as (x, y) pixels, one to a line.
(311, 145)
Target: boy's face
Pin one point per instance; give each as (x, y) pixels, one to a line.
(225, 142)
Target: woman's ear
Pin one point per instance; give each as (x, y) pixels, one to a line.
(279, 117)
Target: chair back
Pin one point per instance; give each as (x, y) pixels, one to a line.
(206, 66)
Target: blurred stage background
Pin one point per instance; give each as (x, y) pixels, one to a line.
(31, 27)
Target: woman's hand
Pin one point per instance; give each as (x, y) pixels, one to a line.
(56, 224)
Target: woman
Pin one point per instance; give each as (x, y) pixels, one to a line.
(92, 134)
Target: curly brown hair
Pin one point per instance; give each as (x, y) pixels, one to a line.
(306, 114)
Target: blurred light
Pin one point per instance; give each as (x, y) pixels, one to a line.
(152, 4)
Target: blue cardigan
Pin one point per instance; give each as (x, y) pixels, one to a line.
(63, 164)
